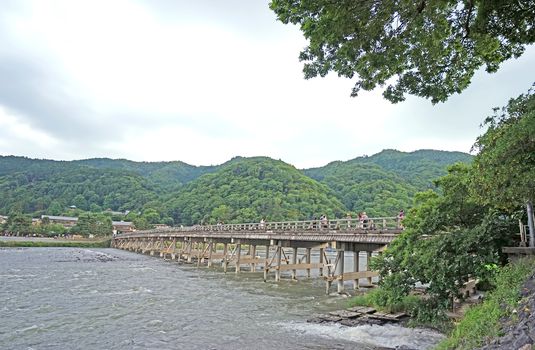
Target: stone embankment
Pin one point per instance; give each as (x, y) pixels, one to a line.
(519, 329)
(359, 315)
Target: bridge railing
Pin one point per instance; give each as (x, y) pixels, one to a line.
(340, 225)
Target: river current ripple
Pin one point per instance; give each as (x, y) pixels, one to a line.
(72, 298)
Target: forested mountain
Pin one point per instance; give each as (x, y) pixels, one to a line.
(387, 181)
(243, 189)
(247, 189)
(168, 175)
(419, 168)
(42, 190)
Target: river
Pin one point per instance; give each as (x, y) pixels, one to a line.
(73, 298)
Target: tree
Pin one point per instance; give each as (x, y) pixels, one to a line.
(141, 223)
(504, 169)
(93, 224)
(19, 224)
(428, 48)
(448, 239)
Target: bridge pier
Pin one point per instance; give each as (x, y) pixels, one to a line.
(278, 255)
(368, 261)
(356, 257)
(266, 267)
(308, 260)
(339, 270)
(253, 256)
(190, 248)
(210, 251)
(225, 260)
(322, 254)
(238, 257)
(294, 262)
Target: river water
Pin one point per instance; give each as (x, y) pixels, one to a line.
(73, 298)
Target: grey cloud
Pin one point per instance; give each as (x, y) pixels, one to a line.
(33, 89)
(251, 18)
(35, 93)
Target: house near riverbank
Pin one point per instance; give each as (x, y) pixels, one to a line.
(3, 219)
(65, 221)
(122, 227)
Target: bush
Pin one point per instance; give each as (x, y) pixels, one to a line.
(378, 298)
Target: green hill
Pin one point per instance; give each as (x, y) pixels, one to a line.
(418, 168)
(168, 175)
(386, 182)
(247, 189)
(50, 189)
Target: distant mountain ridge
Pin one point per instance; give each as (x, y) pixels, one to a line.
(381, 184)
(387, 181)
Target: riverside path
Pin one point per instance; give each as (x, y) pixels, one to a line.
(285, 246)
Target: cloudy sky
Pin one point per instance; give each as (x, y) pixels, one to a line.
(203, 81)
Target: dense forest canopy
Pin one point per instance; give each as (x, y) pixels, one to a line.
(243, 189)
(386, 182)
(425, 48)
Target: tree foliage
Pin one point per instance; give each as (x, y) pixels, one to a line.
(458, 232)
(504, 169)
(93, 224)
(449, 238)
(424, 48)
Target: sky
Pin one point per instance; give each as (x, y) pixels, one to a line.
(201, 82)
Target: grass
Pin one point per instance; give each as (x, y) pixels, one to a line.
(373, 297)
(482, 322)
(38, 244)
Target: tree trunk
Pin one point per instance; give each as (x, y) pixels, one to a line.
(529, 207)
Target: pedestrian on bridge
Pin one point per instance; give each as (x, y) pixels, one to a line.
(364, 220)
(401, 216)
(324, 221)
(348, 217)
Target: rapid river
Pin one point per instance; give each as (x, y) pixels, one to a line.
(73, 298)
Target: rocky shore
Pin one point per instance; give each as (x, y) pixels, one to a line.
(519, 329)
(359, 315)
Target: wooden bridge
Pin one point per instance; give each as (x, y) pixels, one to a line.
(273, 246)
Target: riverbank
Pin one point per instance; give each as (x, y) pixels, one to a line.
(505, 319)
(33, 242)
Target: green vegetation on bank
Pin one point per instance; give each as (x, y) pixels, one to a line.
(483, 322)
(456, 234)
(374, 298)
(54, 243)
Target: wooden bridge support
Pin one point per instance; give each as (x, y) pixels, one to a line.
(368, 261)
(339, 272)
(280, 257)
(308, 260)
(238, 256)
(356, 256)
